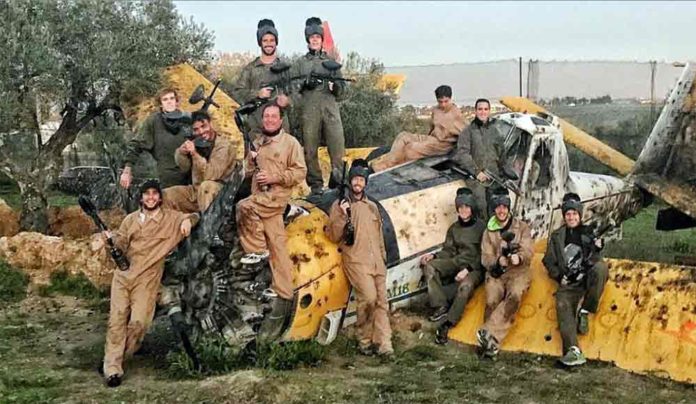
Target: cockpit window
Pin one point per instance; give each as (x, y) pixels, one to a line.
(540, 173)
(539, 121)
(516, 149)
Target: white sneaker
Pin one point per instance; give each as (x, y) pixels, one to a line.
(254, 258)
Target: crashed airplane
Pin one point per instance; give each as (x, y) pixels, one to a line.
(647, 316)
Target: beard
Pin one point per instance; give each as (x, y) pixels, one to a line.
(267, 53)
(150, 209)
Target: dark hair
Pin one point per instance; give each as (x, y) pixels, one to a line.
(482, 100)
(199, 116)
(443, 91)
(272, 104)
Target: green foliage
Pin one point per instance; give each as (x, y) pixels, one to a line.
(72, 61)
(218, 357)
(290, 355)
(369, 115)
(13, 284)
(64, 283)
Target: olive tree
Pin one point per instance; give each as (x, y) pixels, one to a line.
(65, 63)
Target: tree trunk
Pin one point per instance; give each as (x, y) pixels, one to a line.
(34, 216)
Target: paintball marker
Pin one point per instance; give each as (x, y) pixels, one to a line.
(349, 230)
(510, 249)
(248, 144)
(198, 95)
(119, 257)
(508, 183)
(582, 259)
(203, 147)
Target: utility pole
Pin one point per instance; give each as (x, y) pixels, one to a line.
(653, 68)
(520, 64)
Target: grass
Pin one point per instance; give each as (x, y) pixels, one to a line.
(13, 284)
(643, 243)
(65, 283)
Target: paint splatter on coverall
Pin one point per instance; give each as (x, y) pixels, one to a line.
(207, 176)
(364, 265)
(253, 77)
(146, 242)
(154, 138)
(568, 297)
(260, 216)
(504, 294)
(461, 250)
(320, 115)
(445, 127)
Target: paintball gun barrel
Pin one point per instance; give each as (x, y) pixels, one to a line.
(118, 256)
(349, 229)
(494, 179)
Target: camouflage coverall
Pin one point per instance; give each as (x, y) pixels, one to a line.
(320, 115)
(260, 216)
(445, 127)
(504, 294)
(364, 265)
(154, 138)
(253, 77)
(479, 147)
(462, 250)
(207, 176)
(568, 297)
(146, 242)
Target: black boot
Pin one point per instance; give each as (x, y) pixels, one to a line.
(274, 322)
(113, 381)
(441, 337)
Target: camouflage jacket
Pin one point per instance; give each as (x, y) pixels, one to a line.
(479, 147)
(463, 244)
(310, 63)
(154, 138)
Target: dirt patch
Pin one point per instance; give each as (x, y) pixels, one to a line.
(71, 221)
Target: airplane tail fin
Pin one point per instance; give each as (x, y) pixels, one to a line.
(666, 167)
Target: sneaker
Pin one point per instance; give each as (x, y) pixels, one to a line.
(113, 381)
(583, 322)
(254, 258)
(438, 314)
(488, 343)
(573, 357)
(294, 212)
(441, 334)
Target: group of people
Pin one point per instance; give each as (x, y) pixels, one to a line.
(497, 251)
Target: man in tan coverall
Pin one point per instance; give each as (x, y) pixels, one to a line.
(147, 236)
(446, 123)
(364, 261)
(277, 166)
(207, 173)
(507, 276)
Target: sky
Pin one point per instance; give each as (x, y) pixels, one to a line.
(422, 33)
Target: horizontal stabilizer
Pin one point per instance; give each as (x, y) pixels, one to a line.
(673, 219)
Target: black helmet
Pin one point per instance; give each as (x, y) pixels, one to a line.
(500, 197)
(571, 201)
(151, 183)
(266, 26)
(313, 26)
(359, 168)
(464, 197)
